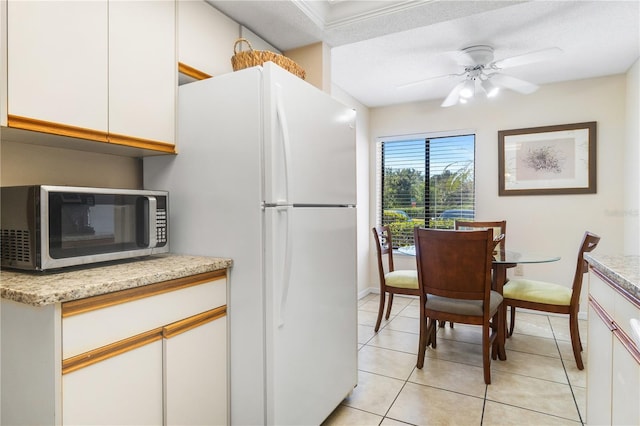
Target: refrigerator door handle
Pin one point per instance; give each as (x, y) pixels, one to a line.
(286, 264)
(286, 145)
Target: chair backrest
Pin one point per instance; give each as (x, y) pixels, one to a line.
(589, 242)
(499, 228)
(384, 245)
(455, 264)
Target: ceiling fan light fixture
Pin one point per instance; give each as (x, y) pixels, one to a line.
(490, 89)
(469, 89)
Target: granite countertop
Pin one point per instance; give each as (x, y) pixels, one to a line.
(622, 270)
(44, 288)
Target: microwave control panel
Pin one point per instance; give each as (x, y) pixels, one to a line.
(161, 226)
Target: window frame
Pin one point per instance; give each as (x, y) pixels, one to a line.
(427, 206)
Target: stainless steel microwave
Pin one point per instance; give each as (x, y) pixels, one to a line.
(46, 227)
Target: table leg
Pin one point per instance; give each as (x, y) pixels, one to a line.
(499, 278)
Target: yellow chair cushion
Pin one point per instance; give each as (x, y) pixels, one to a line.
(537, 291)
(402, 279)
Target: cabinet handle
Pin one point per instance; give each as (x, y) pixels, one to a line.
(42, 126)
(604, 316)
(109, 351)
(187, 324)
(628, 344)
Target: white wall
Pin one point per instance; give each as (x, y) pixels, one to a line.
(362, 170)
(632, 160)
(549, 224)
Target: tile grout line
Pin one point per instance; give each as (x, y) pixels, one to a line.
(564, 367)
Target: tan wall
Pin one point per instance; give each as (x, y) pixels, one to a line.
(26, 164)
(631, 210)
(316, 61)
(543, 223)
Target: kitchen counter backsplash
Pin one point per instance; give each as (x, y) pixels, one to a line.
(622, 270)
(38, 289)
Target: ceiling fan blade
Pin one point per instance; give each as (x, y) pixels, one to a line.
(528, 58)
(453, 96)
(426, 80)
(513, 83)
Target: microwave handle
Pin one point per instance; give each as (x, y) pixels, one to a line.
(153, 210)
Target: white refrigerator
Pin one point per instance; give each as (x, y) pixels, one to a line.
(265, 175)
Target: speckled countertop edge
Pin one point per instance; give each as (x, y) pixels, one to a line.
(623, 270)
(39, 289)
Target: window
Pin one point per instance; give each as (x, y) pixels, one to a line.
(425, 181)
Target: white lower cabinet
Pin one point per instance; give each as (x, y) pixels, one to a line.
(599, 364)
(625, 392)
(613, 359)
(151, 355)
(122, 390)
(195, 366)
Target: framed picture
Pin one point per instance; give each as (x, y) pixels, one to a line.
(547, 160)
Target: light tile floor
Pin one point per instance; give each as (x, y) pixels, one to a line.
(538, 384)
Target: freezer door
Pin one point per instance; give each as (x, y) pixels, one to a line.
(310, 154)
(311, 309)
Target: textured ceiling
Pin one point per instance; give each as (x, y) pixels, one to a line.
(380, 45)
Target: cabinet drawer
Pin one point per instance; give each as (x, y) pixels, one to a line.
(94, 322)
(624, 311)
(602, 292)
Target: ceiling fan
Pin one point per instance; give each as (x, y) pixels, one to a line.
(483, 74)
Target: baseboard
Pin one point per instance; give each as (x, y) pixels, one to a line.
(368, 291)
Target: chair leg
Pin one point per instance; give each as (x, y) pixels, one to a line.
(424, 340)
(380, 310)
(486, 355)
(443, 323)
(389, 306)
(575, 339)
(512, 321)
(432, 332)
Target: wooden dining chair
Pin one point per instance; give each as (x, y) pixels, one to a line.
(552, 297)
(393, 281)
(454, 278)
(499, 228)
(499, 234)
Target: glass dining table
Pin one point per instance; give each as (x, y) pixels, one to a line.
(502, 260)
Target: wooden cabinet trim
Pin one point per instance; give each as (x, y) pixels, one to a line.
(80, 306)
(187, 324)
(109, 351)
(32, 124)
(192, 72)
(604, 316)
(628, 343)
(141, 143)
(35, 125)
(619, 333)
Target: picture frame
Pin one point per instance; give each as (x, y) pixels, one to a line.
(547, 160)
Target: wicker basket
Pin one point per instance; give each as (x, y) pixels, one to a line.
(251, 58)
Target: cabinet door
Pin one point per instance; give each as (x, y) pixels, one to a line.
(205, 37)
(599, 367)
(125, 389)
(625, 397)
(196, 370)
(142, 69)
(57, 62)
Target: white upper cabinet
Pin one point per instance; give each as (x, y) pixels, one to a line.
(205, 38)
(57, 62)
(142, 69)
(99, 70)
